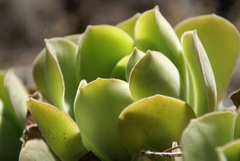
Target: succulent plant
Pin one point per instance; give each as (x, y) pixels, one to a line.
(117, 90)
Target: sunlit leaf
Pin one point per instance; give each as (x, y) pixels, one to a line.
(63, 52)
(39, 74)
(134, 57)
(204, 134)
(229, 151)
(18, 94)
(129, 24)
(237, 127)
(97, 107)
(59, 130)
(204, 86)
(221, 42)
(54, 81)
(154, 74)
(154, 121)
(74, 38)
(6, 108)
(119, 70)
(100, 48)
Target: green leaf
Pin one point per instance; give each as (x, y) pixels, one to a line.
(230, 151)
(154, 121)
(59, 130)
(147, 35)
(119, 70)
(100, 48)
(36, 149)
(204, 134)
(39, 74)
(154, 74)
(129, 24)
(221, 42)
(18, 94)
(6, 109)
(63, 52)
(203, 82)
(54, 81)
(3, 94)
(237, 127)
(11, 89)
(74, 38)
(97, 107)
(10, 144)
(134, 58)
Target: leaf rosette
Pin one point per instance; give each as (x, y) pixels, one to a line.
(135, 84)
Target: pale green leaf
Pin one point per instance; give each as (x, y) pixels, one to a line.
(129, 24)
(229, 151)
(119, 70)
(204, 134)
(54, 81)
(202, 78)
(18, 94)
(74, 38)
(154, 74)
(237, 127)
(63, 52)
(97, 107)
(154, 121)
(59, 130)
(100, 48)
(221, 42)
(39, 74)
(134, 57)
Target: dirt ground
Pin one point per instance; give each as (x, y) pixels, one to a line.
(25, 24)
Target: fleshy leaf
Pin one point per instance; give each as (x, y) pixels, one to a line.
(97, 107)
(237, 127)
(10, 144)
(134, 57)
(39, 74)
(200, 71)
(230, 151)
(221, 42)
(3, 94)
(147, 35)
(129, 24)
(154, 74)
(204, 134)
(59, 130)
(119, 70)
(73, 38)
(54, 81)
(100, 48)
(154, 121)
(6, 109)
(18, 94)
(64, 53)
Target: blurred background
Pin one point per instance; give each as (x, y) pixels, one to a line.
(24, 24)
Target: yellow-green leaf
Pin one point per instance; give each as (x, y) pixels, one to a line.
(154, 121)
(59, 130)
(100, 48)
(222, 44)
